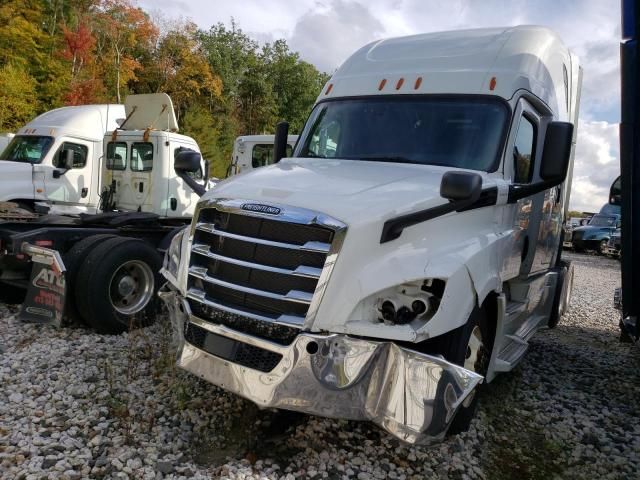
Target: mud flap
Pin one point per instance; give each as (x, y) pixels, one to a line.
(46, 292)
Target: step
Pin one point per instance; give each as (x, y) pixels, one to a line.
(510, 354)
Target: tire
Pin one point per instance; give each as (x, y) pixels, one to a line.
(117, 284)
(454, 346)
(12, 294)
(602, 246)
(562, 295)
(73, 260)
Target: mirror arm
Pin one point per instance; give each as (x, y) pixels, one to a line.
(393, 227)
(519, 191)
(195, 186)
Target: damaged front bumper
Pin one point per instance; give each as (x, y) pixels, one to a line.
(411, 395)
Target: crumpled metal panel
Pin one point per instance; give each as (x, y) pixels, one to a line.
(411, 395)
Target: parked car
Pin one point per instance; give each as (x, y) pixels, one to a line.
(595, 235)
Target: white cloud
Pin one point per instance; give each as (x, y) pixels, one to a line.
(326, 33)
(596, 165)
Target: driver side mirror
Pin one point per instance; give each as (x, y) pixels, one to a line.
(556, 153)
(65, 159)
(280, 142)
(64, 162)
(556, 156)
(187, 161)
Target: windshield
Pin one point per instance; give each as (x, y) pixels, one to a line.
(30, 149)
(602, 221)
(461, 132)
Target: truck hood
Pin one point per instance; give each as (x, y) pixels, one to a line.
(592, 229)
(348, 190)
(8, 167)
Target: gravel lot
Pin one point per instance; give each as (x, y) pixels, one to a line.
(77, 405)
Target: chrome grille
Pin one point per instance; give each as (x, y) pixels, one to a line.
(261, 267)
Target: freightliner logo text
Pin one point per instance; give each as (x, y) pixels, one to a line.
(257, 207)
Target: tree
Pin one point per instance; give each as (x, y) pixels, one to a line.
(296, 84)
(17, 89)
(178, 67)
(122, 30)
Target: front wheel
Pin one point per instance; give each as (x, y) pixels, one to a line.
(602, 246)
(470, 347)
(117, 284)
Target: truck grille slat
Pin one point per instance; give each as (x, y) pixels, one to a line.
(249, 268)
(301, 271)
(292, 296)
(201, 297)
(311, 246)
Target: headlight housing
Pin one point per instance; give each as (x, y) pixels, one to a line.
(173, 256)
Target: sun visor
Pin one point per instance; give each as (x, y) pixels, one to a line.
(150, 110)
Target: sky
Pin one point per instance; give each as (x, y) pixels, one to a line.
(325, 33)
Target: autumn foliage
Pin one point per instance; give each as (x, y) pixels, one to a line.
(223, 83)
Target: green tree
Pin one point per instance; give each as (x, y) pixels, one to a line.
(17, 89)
(295, 83)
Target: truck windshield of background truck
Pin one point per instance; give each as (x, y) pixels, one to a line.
(461, 132)
(602, 221)
(29, 149)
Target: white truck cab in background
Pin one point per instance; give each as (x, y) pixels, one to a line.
(253, 151)
(55, 159)
(138, 173)
(409, 247)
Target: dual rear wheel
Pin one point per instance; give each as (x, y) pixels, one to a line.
(112, 282)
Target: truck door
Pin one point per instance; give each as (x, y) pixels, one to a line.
(69, 188)
(130, 165)
(534, 217)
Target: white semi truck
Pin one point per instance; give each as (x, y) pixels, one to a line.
(112, 259)
(409, 247)
(55, 159)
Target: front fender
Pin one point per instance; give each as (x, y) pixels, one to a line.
(440, 249)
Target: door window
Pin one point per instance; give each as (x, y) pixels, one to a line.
(142, 157)
(262, 155)
(116, 155)
(80, 153)
(524, 151)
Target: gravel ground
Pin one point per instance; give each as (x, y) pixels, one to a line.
(77, 405)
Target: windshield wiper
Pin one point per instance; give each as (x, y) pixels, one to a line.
(310, 154)
(383, 158)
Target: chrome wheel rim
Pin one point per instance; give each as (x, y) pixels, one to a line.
(131, 287)
(474, 358)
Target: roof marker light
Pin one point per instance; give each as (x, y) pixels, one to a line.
(418, 83)
(328, 89)
(383, 82)
(399, 84)
(492, 83)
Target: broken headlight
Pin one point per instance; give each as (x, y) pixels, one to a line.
(171, 264)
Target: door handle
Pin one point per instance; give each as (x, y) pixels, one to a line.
(84, 192)
(141, 187)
